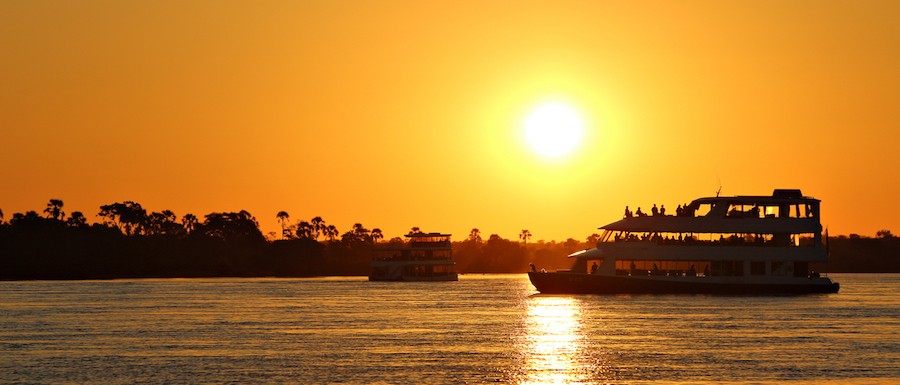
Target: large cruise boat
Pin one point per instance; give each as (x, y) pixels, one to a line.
(718, 245)
(424, 257)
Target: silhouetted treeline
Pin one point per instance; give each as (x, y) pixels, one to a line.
(499, 255)
(134, 243)
(130, 242)
(858, 254)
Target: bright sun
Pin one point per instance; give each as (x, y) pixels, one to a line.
(553, 129)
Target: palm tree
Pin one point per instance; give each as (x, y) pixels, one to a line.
(318, 226)
(190, 222)
(331, 232)
(283, 217)
(524, 236)
(376, 235)
(415, 230)
(54, 209)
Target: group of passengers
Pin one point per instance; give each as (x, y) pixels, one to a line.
(682, 239)
(682, 211)
(655, 237)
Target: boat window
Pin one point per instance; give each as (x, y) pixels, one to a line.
(807, 240)
(757, 268)
(782, 268)
(803, 211)
(727, 268)
(744, 211)
(703, 209)
(605, 236)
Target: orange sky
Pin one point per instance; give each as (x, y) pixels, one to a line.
(398, 114)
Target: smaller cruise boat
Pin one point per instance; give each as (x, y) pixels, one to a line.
(424, 257)
(716, 245)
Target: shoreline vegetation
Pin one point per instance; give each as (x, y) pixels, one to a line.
(129, 242)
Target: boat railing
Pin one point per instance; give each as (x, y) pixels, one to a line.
(724, 241)
(429, 244)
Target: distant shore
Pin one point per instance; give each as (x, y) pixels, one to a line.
(66, 257)
(131, 243)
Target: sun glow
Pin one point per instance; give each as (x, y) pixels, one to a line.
(553, 129)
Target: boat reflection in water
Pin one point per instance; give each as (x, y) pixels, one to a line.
(554, 341)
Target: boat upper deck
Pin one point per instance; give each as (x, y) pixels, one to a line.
(421, 241)
(785, 211)
(429, 240)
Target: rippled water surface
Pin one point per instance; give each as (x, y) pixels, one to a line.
(482, 329)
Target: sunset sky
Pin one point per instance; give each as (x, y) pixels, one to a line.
(412, 113)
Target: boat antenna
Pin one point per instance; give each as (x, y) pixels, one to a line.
(720, 188)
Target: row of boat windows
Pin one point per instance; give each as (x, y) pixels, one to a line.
(411, 255)
(415, 271)
(735, 210)
(662, 238)
(708, 268)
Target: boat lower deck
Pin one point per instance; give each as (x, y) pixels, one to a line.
(581, 283)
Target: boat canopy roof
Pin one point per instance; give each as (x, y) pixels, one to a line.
(417, 238)
(426, 235)
(758, 200)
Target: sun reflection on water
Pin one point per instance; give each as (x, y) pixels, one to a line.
(553, 341)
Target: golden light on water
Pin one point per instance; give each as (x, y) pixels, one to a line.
(554, 341)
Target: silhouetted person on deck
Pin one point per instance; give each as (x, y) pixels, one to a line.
(654, 210)
(754, 212)
(662, 210)
(679, 211)
(640, 213)
(594, 268)
(627, 212)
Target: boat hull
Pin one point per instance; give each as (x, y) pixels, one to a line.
(580, 283)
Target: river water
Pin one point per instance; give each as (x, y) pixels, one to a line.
(482, 329)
